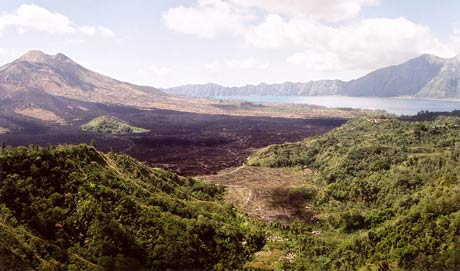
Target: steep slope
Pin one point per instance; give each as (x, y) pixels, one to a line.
(58, 75)
(74, 208)
(446, 84)
(407, 79)
(387, 196)
(54, 90)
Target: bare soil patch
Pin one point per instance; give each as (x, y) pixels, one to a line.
(267, 194)
(40, 114)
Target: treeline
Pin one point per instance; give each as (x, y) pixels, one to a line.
(426, 115)
(388, 195)
(74, 208)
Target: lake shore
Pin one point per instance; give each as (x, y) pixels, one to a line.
(395, 105)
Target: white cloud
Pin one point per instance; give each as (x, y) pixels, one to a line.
(454, 39)
(367, 44)
(154, 72)
(212, 66)
(316, 61)
(276, 32)
(157, 75)
(88, 30)
(160, 71)
(97, 30)
(35, 18)
(246, 64)
(207, 19)
(249, 63)
(106, 32)
(326, 10)
(319, 35)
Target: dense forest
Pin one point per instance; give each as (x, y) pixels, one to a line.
(383, 194)
(386, 196)
(74, 208)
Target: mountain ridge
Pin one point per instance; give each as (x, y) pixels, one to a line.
(61, 76)
(426, 76)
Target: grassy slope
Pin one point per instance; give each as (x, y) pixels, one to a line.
(74, 208)
(111, 125)
(388, 196)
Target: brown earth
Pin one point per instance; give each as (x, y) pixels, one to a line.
(40, 114)
(266, 194)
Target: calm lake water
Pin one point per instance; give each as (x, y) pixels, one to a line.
(398, 106)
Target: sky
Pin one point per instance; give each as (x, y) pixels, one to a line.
(166, 43)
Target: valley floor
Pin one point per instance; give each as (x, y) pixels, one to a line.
(187, 143)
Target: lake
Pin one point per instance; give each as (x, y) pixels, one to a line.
(398, 106)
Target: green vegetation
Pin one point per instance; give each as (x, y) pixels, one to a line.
(111, 125)
(387, 197)
(74, 208)
(378, 194)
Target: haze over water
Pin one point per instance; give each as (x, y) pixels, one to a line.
(398, 106)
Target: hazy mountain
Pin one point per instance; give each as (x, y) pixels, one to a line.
(446, 83)
(406, 79)
(426, 76)
(324, 87)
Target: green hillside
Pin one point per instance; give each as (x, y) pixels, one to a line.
(387, 196)
(111, 125)
(74, 208)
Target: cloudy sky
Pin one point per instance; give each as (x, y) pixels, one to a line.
(166, 43)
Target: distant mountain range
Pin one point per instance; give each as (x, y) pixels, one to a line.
(426, 76)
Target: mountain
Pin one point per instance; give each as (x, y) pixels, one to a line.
(75, 208)
(426, 76)
(446, 84)
(325, 87)
(406, 79)
(60, 76)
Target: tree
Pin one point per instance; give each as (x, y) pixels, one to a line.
(93, 143)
